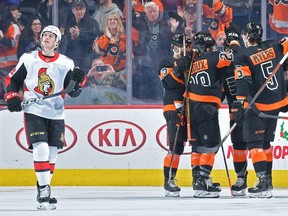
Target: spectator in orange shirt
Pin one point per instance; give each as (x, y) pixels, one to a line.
(111, 47)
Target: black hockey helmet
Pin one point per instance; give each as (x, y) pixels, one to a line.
(254, 31)
(177, 40)
(203, 41)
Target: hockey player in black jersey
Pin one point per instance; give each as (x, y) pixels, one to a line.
(239, 146)
(172, 75)
(43, 73)
(204, 93)
(253, 65)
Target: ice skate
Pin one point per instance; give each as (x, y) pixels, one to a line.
(239, 188)
(261, 189)
(269, 182)
(43, 198)
(52, 200)
(171, 189)
(195, 176)
(205, 188)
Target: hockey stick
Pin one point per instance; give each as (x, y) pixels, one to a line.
(67, 90)
(264, 115)
(182, 109)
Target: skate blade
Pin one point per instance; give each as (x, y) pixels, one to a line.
(263, 194)
(206, 194)
(172, 194)
(239, 193)
(46, 206)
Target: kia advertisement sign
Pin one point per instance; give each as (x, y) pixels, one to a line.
(163, 142)
(70, 139)
(117, 137)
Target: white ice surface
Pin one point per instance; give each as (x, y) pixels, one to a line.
(138, 201)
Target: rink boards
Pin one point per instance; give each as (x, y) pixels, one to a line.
(120, 146)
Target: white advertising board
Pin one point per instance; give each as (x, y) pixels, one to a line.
(117, 138)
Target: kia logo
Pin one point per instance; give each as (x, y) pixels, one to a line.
(163, 141)
(70, 140)
(117, 137)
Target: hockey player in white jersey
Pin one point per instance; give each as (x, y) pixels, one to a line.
(39, 74)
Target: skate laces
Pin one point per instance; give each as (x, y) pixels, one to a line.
(239, 182)
(172, 182)
(45, 192)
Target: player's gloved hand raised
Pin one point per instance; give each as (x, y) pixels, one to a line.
(13, 102)
(179, 117)
(181, 65)
(238, 112)
(77, 75)
(232, 33)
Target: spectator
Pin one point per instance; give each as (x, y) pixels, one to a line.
(100, 14)
(216, 16)
(79, 35)
(278, 19)
(220, 39)
(17, 16)
(65, 13)
(104, 74)
(104, 86)
(44, 10)
(153, 45)
(111, 47)
(30, 37)
(9, 36)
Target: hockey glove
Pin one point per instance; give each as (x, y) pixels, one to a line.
(13, 102)
(179, 117)
(237, 111)
(77, 75)
(181, 65)
(232, 33)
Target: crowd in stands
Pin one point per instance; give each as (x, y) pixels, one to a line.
(94, 30)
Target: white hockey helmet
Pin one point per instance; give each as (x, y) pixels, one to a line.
(55, 30)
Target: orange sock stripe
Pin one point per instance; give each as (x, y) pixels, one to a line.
(41, 166)
(195, 159)
(175, 162)
(207, 159)
(257, 155)
(52, 167)
(239, 155)
(269, 154)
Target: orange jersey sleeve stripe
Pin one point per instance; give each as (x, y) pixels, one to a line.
(207, 159)
(169, 107)
(258, 155)
(177, 79)
(239, 155)
(205, 98)
(243, 71)
(175, 162)
(274, 106)
(195, 159)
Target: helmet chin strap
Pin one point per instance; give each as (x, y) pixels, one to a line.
(49, 51)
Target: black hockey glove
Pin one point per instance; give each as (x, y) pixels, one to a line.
(13, 102)
(232, 33)
(181, 65)
(179, 117)
(77, 75)
(237, 111)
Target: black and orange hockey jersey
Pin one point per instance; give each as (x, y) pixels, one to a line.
(174, 88)
(253, 66)
(205, 83)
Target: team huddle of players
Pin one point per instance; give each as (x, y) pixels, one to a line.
(195, 85)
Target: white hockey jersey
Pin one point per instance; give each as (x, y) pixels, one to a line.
(42, 76)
